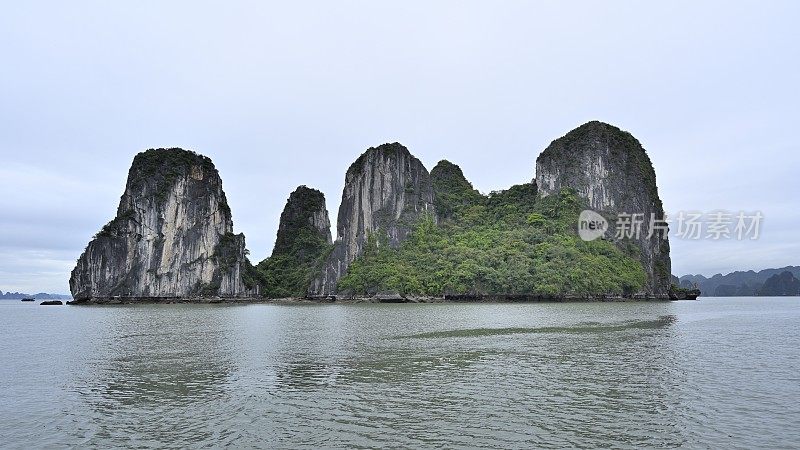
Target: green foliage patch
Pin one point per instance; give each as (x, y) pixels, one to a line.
(289, 273)
(300, 248)
(506, 243)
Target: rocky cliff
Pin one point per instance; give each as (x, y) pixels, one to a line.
(304, 239)
(304, 216)
(386, 190)
(172, 235)
(609, 168)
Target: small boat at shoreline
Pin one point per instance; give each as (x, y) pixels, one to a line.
(679, 293)
(692, 294)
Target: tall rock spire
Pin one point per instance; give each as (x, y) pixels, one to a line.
(303, 216)
(172, 235)
(304, 240)
(386, 190)
(610, 169)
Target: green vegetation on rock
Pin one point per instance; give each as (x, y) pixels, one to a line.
(289, 274)
(302, 244)
(115, 226)
(226, 255)
(506, 243)
(452, 189)
(159, 169)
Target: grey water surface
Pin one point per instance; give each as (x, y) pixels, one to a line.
(713, 373)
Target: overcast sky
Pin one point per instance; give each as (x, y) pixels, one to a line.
(291, 93)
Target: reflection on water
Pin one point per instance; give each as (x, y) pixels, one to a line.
(306, 375)
(589, 327)
(410, 366)
(156, 376)
(172, 377)
(488, 375)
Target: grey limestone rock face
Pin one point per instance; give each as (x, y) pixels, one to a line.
(611, 170)
(172, 235)
(386, 190)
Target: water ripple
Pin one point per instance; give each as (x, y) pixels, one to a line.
(588, 327)
(693, 374)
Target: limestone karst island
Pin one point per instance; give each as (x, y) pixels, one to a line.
(403, 233)
(399, 224)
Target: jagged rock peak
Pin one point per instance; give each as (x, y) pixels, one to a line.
(387, 150)
(451, 189)
(383, 186)
(304, 214)
(386, 190)
(586, 150)
(172, 235)
(451, 173)
(302, 244)
(610, 169)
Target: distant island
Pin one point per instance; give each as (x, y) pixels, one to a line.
(402, 232)
(39, 296)
(768, 282)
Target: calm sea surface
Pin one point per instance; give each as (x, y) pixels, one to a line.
(714, 373)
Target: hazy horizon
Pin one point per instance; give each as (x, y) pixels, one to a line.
(283, 95)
